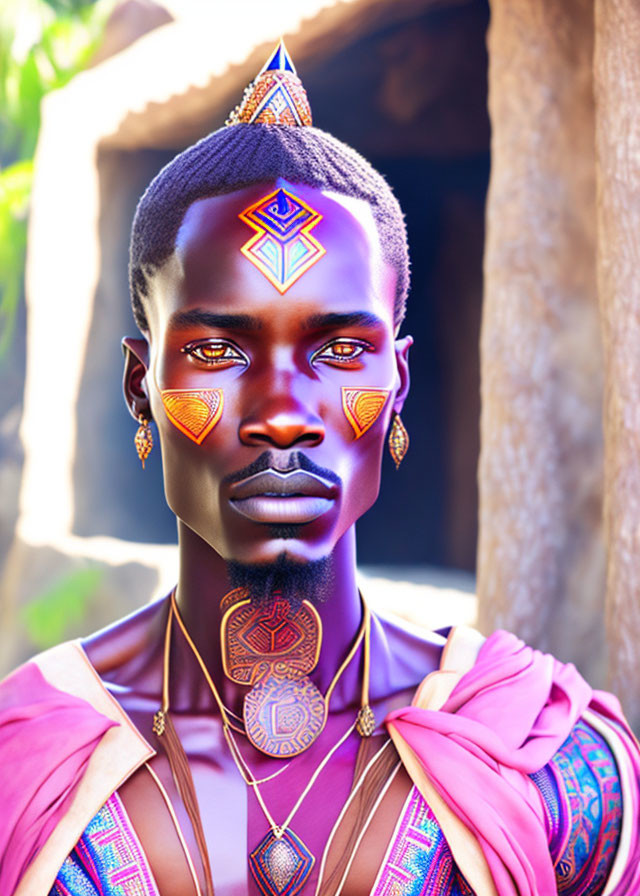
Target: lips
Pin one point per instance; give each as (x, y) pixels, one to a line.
(292, 497)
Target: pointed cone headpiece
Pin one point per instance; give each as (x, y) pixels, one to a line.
(276, 96)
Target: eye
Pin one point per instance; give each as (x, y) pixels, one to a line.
(215, 353)
(342, 352)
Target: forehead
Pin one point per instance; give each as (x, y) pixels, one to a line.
(232, 254)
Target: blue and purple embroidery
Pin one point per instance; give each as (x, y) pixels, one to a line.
(107, 860)
(583, 805)
(419, 861)
(590, 812)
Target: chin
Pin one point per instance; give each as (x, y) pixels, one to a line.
(293, 548)
(292, 578)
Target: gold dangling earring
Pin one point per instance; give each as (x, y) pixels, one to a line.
(143, 439)
(398, 440)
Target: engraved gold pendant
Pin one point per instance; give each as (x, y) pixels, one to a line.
(284, 716)
(256, 642)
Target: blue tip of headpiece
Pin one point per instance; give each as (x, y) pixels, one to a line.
(279, 61)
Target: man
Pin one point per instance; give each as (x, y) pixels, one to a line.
(257, 731)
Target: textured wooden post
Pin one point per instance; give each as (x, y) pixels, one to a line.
(540, 563)
(617, 92)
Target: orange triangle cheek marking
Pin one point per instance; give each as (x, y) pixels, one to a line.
(193, 411)
(362, 407)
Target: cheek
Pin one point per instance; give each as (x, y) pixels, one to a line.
(362, 460)
(194, 412)
(362, 407)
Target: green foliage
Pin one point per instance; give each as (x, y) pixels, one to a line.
(52, 616)
(71, 7)
(63, 36)
(15, 187)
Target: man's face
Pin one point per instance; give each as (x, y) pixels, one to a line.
(281, 362)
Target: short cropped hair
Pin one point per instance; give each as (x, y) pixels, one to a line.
(240, 155)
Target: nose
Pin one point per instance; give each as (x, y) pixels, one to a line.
(282, 422)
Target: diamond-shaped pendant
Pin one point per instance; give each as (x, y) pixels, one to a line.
(281, 865)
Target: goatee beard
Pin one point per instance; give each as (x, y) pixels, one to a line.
(295, 582)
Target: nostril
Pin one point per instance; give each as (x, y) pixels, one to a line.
(282, 431)
(310, 438)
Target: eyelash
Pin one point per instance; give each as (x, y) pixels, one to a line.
(346, 359)
(238, 357)
(194, 347)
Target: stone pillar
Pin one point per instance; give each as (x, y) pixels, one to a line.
(617, 94)
(541, 561)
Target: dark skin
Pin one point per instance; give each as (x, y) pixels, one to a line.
(217, 322)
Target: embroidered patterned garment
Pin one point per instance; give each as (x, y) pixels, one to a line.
(581, 793)
(479, 742)
(108, 859)
(419, 860)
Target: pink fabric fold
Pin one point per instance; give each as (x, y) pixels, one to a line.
(46, 740)
(505, 718)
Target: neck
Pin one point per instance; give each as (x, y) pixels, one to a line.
(203, 582)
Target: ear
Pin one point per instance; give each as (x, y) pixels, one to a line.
(136, 366)
(402, 347)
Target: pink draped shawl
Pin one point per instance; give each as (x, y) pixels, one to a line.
(46, 740)
(505, 719)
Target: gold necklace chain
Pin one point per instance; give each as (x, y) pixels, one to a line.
(158, 719)
(281, 855)
(251, 781)
(363, 722)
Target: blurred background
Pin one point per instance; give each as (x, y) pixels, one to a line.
(127, 85)
(507, 132)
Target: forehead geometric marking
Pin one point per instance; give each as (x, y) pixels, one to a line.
(283, 247)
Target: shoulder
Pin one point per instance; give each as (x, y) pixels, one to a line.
(62, 700)
(74, 667)
(65, 745)
(517, 715)
(49, 707)
(407, 644)
(59, 678)
(50, 727)
(124, 648)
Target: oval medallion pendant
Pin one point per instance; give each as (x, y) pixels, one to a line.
(284, 716)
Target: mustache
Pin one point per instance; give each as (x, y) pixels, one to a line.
(268, 460)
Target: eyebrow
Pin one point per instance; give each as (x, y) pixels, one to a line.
(334, 320)
(199, 317)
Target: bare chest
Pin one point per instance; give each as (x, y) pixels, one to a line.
(236, 819)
